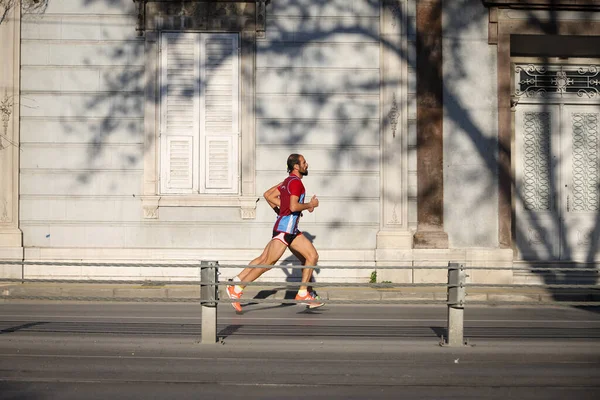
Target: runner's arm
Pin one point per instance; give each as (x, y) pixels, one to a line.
(272, 198)
(295, 204)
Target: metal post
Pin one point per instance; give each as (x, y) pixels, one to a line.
(208, 297)
(456, 304)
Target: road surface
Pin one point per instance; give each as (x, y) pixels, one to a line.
(52, 350)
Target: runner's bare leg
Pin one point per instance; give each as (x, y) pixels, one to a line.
(273, 253)
(307, 250)
(303, 262)
(260, 260)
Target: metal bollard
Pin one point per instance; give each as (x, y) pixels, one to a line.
(456, 304)
(209, 294)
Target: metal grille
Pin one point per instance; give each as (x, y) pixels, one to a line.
(534, 80)
(536, 161)
(585, 161)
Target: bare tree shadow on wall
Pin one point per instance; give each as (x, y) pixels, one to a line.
(500, 161)
(27, 6)
(286, 119)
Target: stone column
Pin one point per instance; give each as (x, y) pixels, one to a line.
(11, 244)
(394, 232)
(430, 114)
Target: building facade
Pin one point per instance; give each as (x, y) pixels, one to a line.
(435, 131)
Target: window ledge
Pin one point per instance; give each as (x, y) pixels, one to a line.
(247, 204)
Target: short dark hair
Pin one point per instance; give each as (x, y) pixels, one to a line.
(292, 160)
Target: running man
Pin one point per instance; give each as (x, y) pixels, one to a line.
(289, 197)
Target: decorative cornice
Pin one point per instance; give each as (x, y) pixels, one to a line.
(152, 203)
(544, 4)
(223, 7)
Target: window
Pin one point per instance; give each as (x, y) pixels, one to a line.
(199, 113)
(199, 133)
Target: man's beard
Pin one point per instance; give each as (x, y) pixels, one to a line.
(304, 173)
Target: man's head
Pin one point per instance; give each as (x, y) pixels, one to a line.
(298, 163)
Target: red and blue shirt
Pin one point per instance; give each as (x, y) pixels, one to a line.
(288, 221)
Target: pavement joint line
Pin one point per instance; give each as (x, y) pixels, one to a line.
(26, 318)
(494, 294)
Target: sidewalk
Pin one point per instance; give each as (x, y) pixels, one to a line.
(151, 292)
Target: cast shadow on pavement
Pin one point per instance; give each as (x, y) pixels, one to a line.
(21, 327)
(292, 275)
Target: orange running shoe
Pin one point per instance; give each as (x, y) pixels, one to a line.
(233, 295)
(309, 300)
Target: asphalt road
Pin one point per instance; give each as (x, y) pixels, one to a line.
(152, 351)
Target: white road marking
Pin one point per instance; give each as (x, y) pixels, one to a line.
(262, 359)
(28, 318)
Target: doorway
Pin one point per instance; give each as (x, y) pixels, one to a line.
(556, 160)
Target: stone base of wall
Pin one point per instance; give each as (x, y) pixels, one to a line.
(9, 250)
(382, 262)
(233, 261)
(481, 258)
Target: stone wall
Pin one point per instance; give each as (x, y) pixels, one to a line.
(10, 235)
(83, 145)
(470, 127)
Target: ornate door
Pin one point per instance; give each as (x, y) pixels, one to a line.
(557, 161)
(581, 187)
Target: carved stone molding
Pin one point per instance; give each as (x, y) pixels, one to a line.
(396, 11)
(6, 106)
(514, 102)
(393, 115)
(226, 15)
(3, 211)
(152, 203)
(150, 206)
(141, 16)
(261, 19)
(27, 6)
(394, 220)
(248, 208)
(584, 238)
(394, 230)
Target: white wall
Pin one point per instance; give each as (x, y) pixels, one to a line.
(318, 95)
(82, 108)
(81, 124)
(470, 126)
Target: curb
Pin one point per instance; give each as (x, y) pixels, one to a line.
(98, 292)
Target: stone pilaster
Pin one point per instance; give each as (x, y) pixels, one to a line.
(430, 117)
(394, 231)
(11, 243)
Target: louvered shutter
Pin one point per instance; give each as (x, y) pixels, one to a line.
(219, 121)
(180, 105)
